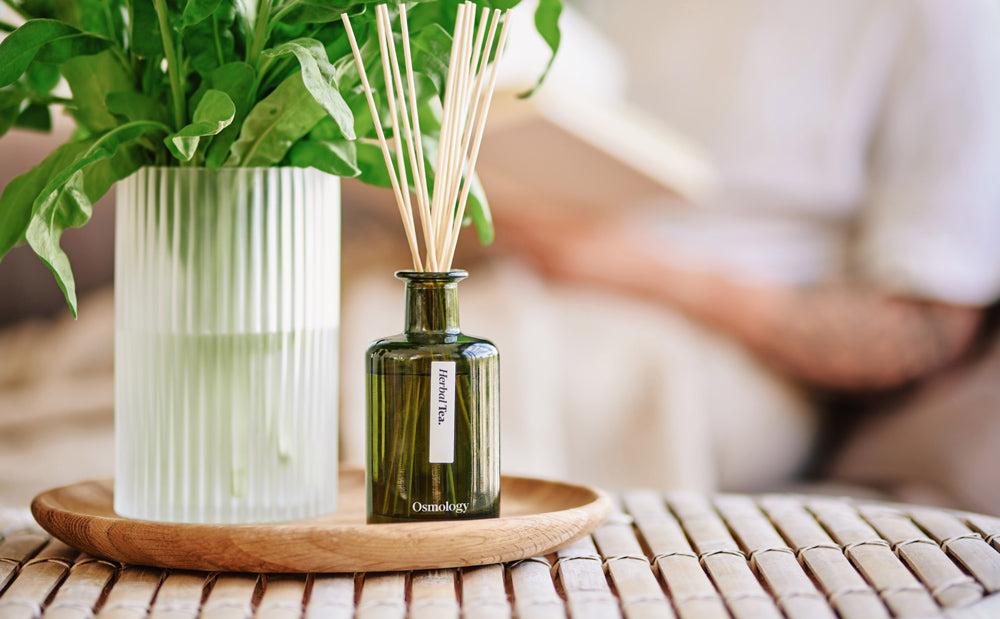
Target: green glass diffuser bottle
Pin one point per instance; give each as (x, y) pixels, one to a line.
(433, 427)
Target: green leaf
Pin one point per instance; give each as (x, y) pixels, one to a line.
(319, 77)
(274, 124)
(431, 51)
(133, 106)
(45, 40)
(236, 79)
(36, 116)
(42, 78)
(478, 211)
(317, 12)
(371, 164)
(145, 40)
(547, 24)
(196, 11)
(210, 42)
(333, 157)
(91, 79)
(12, 102)
(20, 193)
(214, 113)
(66, 202)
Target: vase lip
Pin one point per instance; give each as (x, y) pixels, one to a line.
(454, 275)
(228, 169)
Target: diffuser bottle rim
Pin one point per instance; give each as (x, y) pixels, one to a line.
(455, 275)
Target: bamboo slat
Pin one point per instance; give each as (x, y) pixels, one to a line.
(180, 596)
(873, 557)
(432, 595)
(80, 593)
(722, 558)
(966, 546)
(132, 594)
(534, 593)
(949, 585)
(779, 555)
(231, 597)
(283, 597)
(331, 597)
(846, 590)
(690, 588)
(17, 547)
(37, 579)
(483, 592)
(383, 596)
(583, 582)
(988, 527)
(773, 559)
(635, 583)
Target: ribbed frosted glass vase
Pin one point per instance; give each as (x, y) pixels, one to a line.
(226, 344)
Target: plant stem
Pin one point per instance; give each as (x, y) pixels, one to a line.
(261, 30)
(215, 38)
(173, 64)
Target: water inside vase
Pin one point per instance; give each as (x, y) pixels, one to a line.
(227, 427)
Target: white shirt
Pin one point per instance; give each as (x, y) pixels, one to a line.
(854, 138)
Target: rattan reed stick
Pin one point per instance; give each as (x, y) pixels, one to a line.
(400, 130)
(377, 121)
(410, 116)
(474, 98)
(480, 131)
(415, 117)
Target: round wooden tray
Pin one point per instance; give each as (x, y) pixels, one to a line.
(537, 517)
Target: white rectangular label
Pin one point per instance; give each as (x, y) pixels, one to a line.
(442, 412)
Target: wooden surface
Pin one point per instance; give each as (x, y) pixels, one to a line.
(657, 556)
(536, 517)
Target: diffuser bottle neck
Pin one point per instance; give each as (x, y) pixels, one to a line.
(432, 302)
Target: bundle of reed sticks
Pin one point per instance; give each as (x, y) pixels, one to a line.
(468, 94)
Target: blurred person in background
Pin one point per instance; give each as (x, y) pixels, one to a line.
(851, 247)
(853, 244)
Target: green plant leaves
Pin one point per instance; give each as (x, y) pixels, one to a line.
(144, 31)
(333, 157)
(45, 40)
(91, 79)
(214, 113)
(209, 42)
(274, 124)
(547, 24)
(320, 79)
(36, 117)
(19, 194)
(196, 11)
(237, 80)
(12, 102)
(133, 106)
(431, 49)
(65, 201)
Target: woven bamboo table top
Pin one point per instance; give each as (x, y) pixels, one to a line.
(658, 556)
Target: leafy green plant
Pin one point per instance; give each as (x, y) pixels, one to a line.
(204, 83)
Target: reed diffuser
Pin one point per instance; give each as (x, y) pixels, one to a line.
(433, 435)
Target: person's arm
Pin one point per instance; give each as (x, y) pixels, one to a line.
(836, 336)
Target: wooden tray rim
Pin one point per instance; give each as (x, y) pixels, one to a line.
(537, 534)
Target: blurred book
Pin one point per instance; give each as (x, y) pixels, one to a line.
(555, 150)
